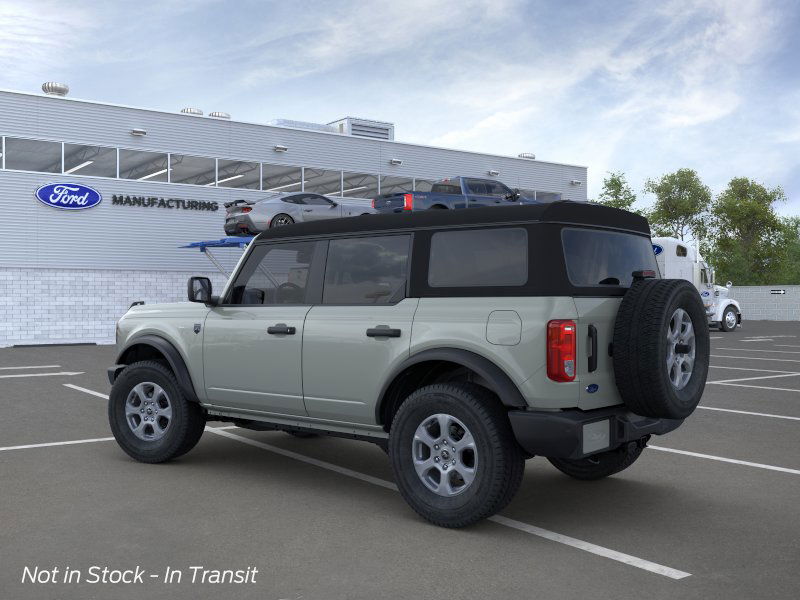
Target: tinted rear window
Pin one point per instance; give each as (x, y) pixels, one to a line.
(479, 258)
(600, 258)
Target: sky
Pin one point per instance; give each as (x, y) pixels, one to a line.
(639, 87)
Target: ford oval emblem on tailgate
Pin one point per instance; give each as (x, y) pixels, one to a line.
(592, 388)
(68, 196)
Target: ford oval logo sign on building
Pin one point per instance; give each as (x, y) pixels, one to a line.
(68, 196)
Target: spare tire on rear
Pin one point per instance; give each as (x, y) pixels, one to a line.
(661, 348)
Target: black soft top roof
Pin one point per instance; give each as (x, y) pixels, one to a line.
(563, 211)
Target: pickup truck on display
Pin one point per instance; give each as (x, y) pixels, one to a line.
(451, 193)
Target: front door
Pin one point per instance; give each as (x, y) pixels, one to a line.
(316, 208)
(487, 193)
(361, 330)
(253, 340)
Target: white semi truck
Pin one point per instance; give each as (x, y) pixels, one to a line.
(678, 260)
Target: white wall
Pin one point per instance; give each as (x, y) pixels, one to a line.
(759, 304)
(64, 306)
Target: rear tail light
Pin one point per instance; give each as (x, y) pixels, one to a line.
(408, 201)
(561, 350)
(247, 209)
(373, 203)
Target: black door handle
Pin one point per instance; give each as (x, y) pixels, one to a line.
(281, 328)
(308, 210)
(383, 331)
(593, 342)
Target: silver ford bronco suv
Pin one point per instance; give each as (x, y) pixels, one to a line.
(462, 342)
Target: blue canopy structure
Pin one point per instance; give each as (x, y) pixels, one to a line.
(227, 242)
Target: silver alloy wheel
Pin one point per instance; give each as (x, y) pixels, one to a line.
(281, 220)
(148, 411)
(730, 319)
(681, 348)
(444, 454)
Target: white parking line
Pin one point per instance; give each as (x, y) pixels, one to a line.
(743, 369)
(747, 412)
(518, 525)
(758, 387)
(788, 345)
(31, 367)
(82, 389)
(755, 357)
(49, 444)
(754, 378)
(754, 350)
(67, 373)
(727, 460)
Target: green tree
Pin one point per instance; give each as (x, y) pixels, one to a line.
(616, 192)
(790, 273)
(750, 241)
(681, 205)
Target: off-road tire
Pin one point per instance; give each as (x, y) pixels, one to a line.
(500, 464)
(600, 465)
(640, 348)
(186, 425)
(723, 324)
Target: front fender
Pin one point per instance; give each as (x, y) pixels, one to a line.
(723, 305)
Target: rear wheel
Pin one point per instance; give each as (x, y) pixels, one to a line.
(729, 319)
(281, 220)
(150, 418)
(453, 453)
(600, 465)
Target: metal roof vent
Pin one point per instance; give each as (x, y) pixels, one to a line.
(527, 155)
(219, 115)
(192, 111)
(51, 88)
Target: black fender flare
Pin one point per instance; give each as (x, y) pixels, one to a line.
(501, 383)
(168, 350)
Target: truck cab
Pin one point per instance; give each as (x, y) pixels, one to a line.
(678, 260)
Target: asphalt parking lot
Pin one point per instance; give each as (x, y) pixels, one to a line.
(709, 511)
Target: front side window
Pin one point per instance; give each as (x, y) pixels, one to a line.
(495, 188)
(605, 258)
(368, 270)
(274, 274)
(33, 155)
(477, 187)
(479, 258)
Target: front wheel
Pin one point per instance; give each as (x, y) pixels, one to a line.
(150, 418)
(454, 455)
(600, 465)
(729, 319)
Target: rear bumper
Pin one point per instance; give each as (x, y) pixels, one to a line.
(577, 433)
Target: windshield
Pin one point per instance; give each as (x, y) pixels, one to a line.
(601, 258)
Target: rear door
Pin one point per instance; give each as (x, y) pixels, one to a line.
(601, 263)
(361, 329)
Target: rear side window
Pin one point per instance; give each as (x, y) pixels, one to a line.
(600, 258)
(368, 270)
(479, 258)
(446, 188)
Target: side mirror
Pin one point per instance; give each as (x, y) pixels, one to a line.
(729, 285)
(199, 290)
(334, 204)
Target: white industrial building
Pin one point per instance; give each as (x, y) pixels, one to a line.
(67, 275)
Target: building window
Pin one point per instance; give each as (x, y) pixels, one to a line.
(370, 270)
(548, 196)
(238, 174)
(321, 181)
(423, 185)
(280, 178)
(194, 170)
(359, 185)
(33, 155)
(396, 185)
(97, 161)
(144, 166)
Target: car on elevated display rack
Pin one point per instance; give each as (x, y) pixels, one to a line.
(462, 342)
(249, 217)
